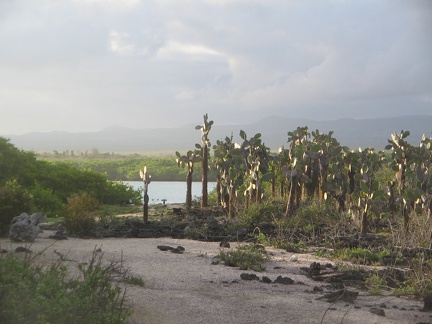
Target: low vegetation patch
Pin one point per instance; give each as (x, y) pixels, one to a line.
(33, 293)
(245, 257)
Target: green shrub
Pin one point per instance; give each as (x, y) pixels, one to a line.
(14, 200)
(367, 256)
(260, 213)
(375, 284)
(245, 257)
(31, 293)
(45, 201)
(312, 214)
(80, 214)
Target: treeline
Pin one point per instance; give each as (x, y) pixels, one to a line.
(28, 184)
(120, 167)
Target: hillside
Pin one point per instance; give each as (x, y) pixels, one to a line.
(350, 132)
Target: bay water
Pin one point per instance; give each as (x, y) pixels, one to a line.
(173, 191)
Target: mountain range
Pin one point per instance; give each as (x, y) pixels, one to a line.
(353, 133)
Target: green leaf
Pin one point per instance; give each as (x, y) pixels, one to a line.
(363, 186)
(358, 177)
(406, 134)
(267, 176)
(243, 134)
(389, 147)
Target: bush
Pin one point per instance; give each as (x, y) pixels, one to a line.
(80, 214)
(313, 213)
(245, 257)
(14, 200)
(260, 213)
(45, 201)
(31, 293)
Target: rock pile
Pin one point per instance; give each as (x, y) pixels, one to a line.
(25, 228)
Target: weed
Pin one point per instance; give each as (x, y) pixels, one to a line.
(245, 257)
(375, 284)
(32, 293)
(80, 214)
(368, 257)
(133, 280)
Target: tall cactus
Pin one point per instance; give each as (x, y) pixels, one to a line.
(228, 162)
(146, 179)
(204, 149)
(188, 161)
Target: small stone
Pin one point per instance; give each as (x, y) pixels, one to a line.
(377, 311)
(266, 279)
(317, 289)
(181, 248)
(328, 265)
(177, 251)
(314, 269)
(357, 307)
(225, 244)
(98, 250)
(165, 247)
(259, 246)
(395, 306)
(403, 308)
(249, 276)
(58, 236)
(215, 262)
(22, 249)
(293, 258)
(284, 280)
(382, 305)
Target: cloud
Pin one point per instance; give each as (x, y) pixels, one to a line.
(237, 60)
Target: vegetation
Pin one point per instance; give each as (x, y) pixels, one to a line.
(246, 257)
(80, 214)
(371, 207)
(31, 185)
(33, 293)
(124, 167)
(204, 153)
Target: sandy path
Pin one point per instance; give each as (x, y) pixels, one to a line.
(187, 288)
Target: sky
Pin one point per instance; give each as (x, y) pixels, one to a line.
(84, 65)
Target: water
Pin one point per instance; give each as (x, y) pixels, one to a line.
(173, 191)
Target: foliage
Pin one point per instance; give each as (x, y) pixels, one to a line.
(369, 256)
(14, 200)
(32, 293)
(245, 257)
(49, 185)
(257, 213)
(45, 201)
(375, 284)
(126, 168)
(80, 214)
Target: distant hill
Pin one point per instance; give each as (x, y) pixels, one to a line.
(350, 132)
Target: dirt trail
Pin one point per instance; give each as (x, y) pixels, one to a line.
(188, 288)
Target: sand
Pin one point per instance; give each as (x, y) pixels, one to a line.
(188, 288)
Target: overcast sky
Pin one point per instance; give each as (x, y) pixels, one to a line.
(83, 65)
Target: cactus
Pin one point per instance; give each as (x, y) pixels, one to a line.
(146, 179)
(204, 149)
(188, 161)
